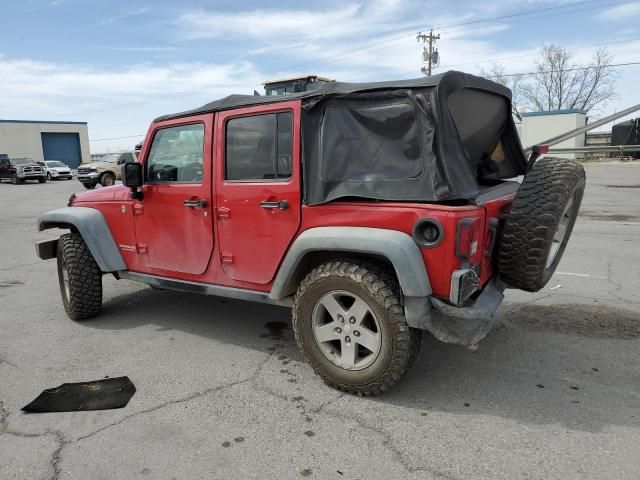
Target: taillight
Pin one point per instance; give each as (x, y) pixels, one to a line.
(467, 238)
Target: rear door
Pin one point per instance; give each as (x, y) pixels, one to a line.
(174, 229)
(258, 188)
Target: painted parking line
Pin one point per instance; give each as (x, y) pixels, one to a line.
(582, 275)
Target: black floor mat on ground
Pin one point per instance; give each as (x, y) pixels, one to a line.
(72, 397)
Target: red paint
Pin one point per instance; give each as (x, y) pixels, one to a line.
(240, 244)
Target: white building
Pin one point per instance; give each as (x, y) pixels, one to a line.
(539, 126)
(42, 140)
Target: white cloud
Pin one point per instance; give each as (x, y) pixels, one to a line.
(349, 20)
(621, 12)
(126, 13)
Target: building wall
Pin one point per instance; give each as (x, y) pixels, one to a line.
(23, 138)
(540, 126)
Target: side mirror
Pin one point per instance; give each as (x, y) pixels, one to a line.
(132, 178)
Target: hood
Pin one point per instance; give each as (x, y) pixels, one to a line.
(99, 164)
(104, 194)
(93, 164)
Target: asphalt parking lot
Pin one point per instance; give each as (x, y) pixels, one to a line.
(222, 391)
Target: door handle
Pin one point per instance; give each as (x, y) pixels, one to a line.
(195, 203)
(277, 204)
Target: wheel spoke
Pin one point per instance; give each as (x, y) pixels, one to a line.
(326, 333)
(348, 353)
(368, 339)
(332, 306)
(359, 310)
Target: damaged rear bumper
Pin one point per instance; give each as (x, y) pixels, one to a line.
(465, 325)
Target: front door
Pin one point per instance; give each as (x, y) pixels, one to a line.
(174, 230)
(258, 188)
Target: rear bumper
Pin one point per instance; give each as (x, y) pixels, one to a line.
(465, 325)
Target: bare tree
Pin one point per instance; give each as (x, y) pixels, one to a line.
(498, 74)
(560, 83)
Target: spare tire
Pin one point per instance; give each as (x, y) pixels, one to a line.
(540, 222)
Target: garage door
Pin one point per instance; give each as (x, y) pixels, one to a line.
(62, 146)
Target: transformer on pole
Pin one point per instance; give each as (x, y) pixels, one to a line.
(430, 54)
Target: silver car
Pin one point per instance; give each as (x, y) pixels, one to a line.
(56, 170)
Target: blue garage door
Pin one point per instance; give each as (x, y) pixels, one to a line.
(62, 146)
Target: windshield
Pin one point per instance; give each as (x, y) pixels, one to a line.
(111, 158)
(55, 165)
(21, 161)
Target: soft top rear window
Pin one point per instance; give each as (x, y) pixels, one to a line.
(480, 118)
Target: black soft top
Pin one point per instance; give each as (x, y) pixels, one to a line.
(449, 80)
(433, 139)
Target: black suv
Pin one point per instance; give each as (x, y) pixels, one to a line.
(20, 169)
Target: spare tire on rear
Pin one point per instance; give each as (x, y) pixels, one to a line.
(540, 222)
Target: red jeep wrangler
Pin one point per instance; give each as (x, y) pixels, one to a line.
(375, 211)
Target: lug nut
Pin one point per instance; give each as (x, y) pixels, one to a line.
(347, 339)
(338, 330)
(356, 333)
(340, 318)
(352, 320)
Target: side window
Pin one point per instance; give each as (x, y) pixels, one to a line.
(259, 147)
(176, 155)
(125, 158)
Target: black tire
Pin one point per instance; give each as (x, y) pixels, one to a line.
(81, 290)
(107, 179)
(49, 176)
(549, 198)
(89, 186)
(42, 179)
(399, 343)
(15, 180)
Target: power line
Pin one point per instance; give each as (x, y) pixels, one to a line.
(524, 74)
(605, 44)
(117, 138)
(541, 16)
(374, 45)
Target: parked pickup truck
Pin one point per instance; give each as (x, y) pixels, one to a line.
(105, 171)
(375, 211)
(19, 170)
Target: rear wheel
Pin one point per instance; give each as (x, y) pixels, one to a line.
(107, 179)
(540, 223)
(80, 278)
(350, 326)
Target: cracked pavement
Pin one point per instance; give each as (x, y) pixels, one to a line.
(552, 392)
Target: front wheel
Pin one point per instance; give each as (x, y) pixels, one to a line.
(350, 326)
(42, 179)
(89, 186)
(80, 278)
(15, 180)
(49, 176)
(107, 179)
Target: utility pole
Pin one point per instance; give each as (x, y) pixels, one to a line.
(430, 54)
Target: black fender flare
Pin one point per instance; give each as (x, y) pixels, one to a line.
(397, 247)
(93, 227)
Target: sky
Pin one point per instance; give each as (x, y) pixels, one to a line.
(119, 64)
